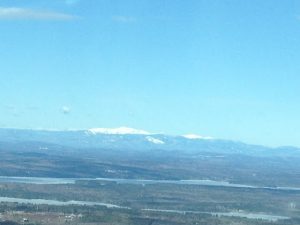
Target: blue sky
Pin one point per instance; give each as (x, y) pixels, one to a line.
(223, 68)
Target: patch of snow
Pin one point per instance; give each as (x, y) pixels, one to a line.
(195, 136)
(120, 130)
(155, 140)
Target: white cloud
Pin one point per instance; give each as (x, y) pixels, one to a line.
(25, 13)
(66, 109)
(123, 19)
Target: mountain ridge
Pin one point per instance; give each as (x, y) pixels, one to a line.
(139, 140)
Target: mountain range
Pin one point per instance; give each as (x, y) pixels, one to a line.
(130, 139)
(138, 154)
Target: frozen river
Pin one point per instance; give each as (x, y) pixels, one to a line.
(41, 180)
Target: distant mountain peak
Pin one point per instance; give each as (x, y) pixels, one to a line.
(120, 130)
(196, 136)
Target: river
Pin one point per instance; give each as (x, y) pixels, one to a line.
(261, 216)
(45, 180)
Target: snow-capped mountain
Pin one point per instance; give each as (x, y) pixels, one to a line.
(196, 136)
(120, 130)
(130, 139)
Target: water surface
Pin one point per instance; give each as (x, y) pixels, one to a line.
(45, 180)
(260, 216)
(56, 202)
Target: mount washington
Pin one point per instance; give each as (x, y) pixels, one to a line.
(137, 154)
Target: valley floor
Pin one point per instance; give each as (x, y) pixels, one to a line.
(159, 204)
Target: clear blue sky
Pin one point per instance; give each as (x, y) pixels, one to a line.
(223, 68)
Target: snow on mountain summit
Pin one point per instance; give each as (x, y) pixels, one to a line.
(195, 136)
(133, 131)
(154, 140)
(120, 130)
